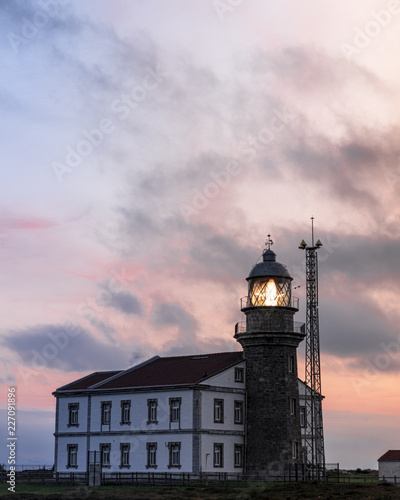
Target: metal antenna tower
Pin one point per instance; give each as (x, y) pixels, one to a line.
(314, 432)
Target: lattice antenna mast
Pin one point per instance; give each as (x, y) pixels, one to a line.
(314, 435)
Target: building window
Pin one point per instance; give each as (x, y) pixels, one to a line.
(292, 406)
(105, 450)
(174, 455)
(152, 411)
(238, 412)
(238, 459)
(105, 412)
(295, 449)
(239, 375)
(291, 364)
(218, 455)
(302, 417)
(125, 412)
(125, 449)
(175, 409)
(218, 410)
(73, 414)
(72, 451)
(151, 455)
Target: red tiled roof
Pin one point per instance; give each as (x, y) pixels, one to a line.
(89, 380)
(178, 370)
(157, 371)
(390, 455)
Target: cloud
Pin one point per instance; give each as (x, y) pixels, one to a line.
(362, 259)
(164, 314)
(349, 328)
(101, 326)
(55, 347)
(124, 302)
(220, 257)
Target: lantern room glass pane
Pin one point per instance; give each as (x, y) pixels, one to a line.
(270, 292)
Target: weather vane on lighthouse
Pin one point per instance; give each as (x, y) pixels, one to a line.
(268, 242)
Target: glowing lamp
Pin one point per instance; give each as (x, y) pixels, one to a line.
(269, 283)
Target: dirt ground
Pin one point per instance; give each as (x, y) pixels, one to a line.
(280, 491)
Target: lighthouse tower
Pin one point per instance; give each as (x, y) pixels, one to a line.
(270, 338)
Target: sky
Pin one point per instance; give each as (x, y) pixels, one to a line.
(149, 148)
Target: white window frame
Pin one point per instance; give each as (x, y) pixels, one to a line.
(73, 415)
(105, 453)
(302, 412)
(152, 405)
(175, 410)
(218, 455)
(125, 455)
(174, 455)
(219, 411)
(106, 413)
(239, 375)
(238, 455)
(151, 456)
(293, 406)
(295, 449)
(238, 412)
(125, 412)
(72, 454)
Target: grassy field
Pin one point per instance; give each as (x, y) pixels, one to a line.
(273, 491)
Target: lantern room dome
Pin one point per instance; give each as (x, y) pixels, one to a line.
(269, 267)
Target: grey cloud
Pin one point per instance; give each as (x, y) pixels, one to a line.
(221, 257)
(351, 329)
(362, 259)
(126, 303)
(164, 314)
(100, 326)
(54, 347)
(358, 257)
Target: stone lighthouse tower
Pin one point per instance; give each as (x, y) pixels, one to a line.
(270, 339)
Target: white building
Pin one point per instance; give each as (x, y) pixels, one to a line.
(181, 413)
(184, 413)
(389, 466)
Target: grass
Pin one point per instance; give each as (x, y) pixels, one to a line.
(271, 491)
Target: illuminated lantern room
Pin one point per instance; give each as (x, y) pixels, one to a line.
(269, 282)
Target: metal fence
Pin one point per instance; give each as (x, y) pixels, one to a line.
(48, 477)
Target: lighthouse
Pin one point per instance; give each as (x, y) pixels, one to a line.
(270, 338)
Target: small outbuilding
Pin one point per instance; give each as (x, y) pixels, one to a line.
(389, 466)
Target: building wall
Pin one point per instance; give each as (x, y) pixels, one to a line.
(139, 410)
(62, 455)
(63, 414)
(139, 431)
(229, 399)
(227, 378)
(138, 451)
(389, 469)
(207, 453)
